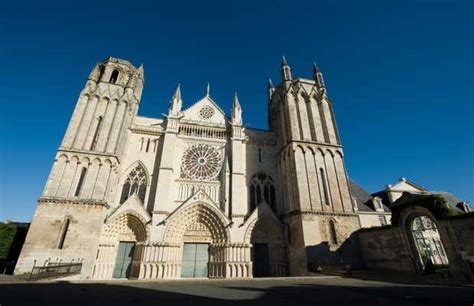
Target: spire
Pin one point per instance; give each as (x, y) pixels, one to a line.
(270, 83)
(177, 93)
(270, 89)
(285, 69)
(236, 111)
(315, 68)
(176, 102)
(208, 90)
(318, 76)
(236, 100)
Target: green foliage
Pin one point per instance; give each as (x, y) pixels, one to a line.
(7, 234)
(436, 204)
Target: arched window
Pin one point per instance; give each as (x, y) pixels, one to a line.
(101, 73)
(114, 76)
(96, 134)
(262, 189)
(332, 232)
(147, 145)
(62, 235)
(428, 242)
(325, 186)
(135, 183)
(81, 182)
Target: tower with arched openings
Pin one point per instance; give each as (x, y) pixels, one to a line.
(193, 194)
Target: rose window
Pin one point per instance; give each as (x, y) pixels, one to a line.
(206, 112)
(201, 162)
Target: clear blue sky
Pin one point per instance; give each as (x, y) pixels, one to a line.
(400, 74)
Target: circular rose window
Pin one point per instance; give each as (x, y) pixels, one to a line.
(206, 112)
(201, 162)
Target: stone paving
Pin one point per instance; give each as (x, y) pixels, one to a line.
(322, 290)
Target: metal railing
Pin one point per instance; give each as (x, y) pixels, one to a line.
(53, 270)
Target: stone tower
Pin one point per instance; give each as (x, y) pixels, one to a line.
(85, 170)
(317, 202)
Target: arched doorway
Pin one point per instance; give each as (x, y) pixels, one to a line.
(116, 254)
(200, 232)
(428, 244)
(268, 250)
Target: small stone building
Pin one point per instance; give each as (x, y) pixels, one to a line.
(431, 231)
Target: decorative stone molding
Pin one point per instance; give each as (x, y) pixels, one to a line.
(319, 213)
(179, 222)
(146, 130)
(57, 200)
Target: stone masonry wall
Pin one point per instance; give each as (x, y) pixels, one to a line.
(387, 248)
(80, 244)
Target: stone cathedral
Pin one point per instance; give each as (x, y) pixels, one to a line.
(194, 194)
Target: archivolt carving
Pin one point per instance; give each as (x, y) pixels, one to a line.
(194, 214)
(127, 226)
(263, 229)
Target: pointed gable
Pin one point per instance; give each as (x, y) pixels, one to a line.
(205, 111)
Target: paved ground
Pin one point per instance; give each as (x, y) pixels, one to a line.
(323, 290)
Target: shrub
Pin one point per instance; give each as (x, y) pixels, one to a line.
(7, 234)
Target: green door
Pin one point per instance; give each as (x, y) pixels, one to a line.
(195, 259)
(260, 260)
(123, 263)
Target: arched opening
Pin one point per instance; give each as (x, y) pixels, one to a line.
(135, 183)
(268, 250)
(261, 188)
(96, 134)
(114, 76)
(202, 235)
(101, 72)
(428, 244)
(325, 187)
(120, 238)
(332, 232)
(81, 182)
(62, 236)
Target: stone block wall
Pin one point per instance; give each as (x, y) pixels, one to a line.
(385, 249)
(81, 239)
(311, 245)
(388, 248)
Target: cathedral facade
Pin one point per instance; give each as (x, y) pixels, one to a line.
(194, 194)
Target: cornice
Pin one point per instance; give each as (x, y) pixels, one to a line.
(320, 213)
(87, 152)
(144, 130)
(57, 200)
(293, 143)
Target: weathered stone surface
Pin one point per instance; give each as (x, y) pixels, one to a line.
(195, 176)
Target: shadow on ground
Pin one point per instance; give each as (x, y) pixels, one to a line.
(241, 293)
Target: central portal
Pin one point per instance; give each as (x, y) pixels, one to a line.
(195, 260)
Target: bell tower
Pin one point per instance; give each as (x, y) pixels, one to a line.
(97, 131)
(105, 107)
(317, 201)
(83, 178)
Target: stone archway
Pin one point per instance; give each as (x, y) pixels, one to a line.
(201, 235)
(197, 217)
(426, 243)
(268, 247)
(120, 239)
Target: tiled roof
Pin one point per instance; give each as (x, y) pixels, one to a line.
(360, 195)
(363, 198)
